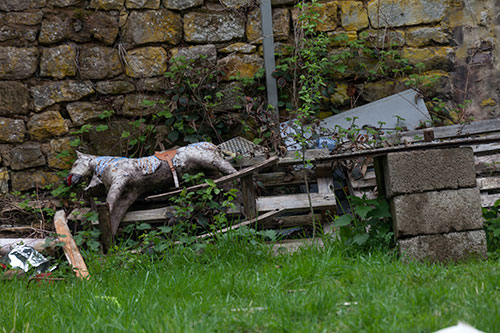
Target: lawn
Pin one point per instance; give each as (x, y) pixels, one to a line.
(238, 286)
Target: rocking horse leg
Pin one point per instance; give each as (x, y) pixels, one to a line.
(119, 199)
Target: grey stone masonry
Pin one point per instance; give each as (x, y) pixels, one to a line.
(436, 212)
(429, 170)
(455, 246)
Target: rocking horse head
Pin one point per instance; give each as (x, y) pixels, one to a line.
(80, 169)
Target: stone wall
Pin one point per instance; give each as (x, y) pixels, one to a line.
(62, 62)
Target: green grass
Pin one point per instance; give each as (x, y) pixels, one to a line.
(311, 291)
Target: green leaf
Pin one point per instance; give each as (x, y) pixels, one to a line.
(362, 211)
(173, 136)
(210, 182)
(360, 239)
(342, 221)
(143, 226)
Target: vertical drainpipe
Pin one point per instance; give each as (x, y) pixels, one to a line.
(269, 62)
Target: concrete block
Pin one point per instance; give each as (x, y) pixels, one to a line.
(455, 246)
(429, 170)
(436, 212)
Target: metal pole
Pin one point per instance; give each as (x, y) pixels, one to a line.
(269, 62)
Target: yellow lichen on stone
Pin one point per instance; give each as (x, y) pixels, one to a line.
(146, 62)
(327, 16)
(240, 65)
(354, 16)
(431, 57)
(340, 97)
(488, 102)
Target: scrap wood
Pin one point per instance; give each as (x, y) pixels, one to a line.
(416, 146)
(244, 172)
(69, 246)
(262, 217)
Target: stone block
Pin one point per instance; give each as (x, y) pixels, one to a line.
(181, 4)
(455, 246)
(442, 58)
(107, 4)
(436, 212)
(147, 4)
(353, 15)
(114, 87)
(240, 65)
(27, 180)
(421, 36)
(146, 62)
(152, 26)
(79, 26)
(18, 35)
(20, 5)
(12, 130)
(60, 155)
(15, 98)
(82, 112)
(213, 27)
(4, 181)
(429, 170)
(58, 62)
(133, 106)
(399, 13)
(24, 18)
(26, 156)
(17, 63)
(97, 62)
(48, 94)
(46, 125)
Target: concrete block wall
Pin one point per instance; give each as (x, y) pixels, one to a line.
(435, 204)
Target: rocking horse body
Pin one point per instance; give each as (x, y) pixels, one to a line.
(125, 179)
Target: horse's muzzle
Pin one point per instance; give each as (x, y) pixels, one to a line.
(72, 179)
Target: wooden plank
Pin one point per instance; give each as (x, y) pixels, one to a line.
(69, 246)
(293, 221)
(488, 183)
(488, 200)
(248, 197)
(247, 171)
(295, 202)
(487, 164)
(412, 147)
(156, 215)
(105, 226)
(255, 220)
(486, 148)
(460, 130)
(290, 158)
(281, 178)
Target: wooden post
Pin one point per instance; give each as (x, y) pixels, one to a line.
(378, 164)
(69, 246)
(105, 226)
(324, 176)
(249, 197)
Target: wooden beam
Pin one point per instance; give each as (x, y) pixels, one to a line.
(412, 147)
(105, 226)
(295, 202)
(69, 246)
(247, 171)
(248, 197)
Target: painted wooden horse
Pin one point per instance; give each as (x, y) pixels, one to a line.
(125, 179)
